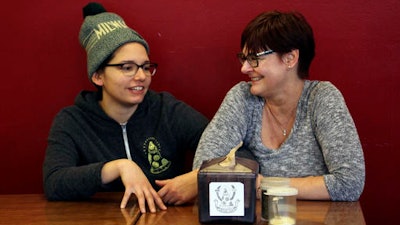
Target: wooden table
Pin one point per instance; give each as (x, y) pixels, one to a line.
(34, 209)
(308, 213)
(104, 208)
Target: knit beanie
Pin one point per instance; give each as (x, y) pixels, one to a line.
(102, 33)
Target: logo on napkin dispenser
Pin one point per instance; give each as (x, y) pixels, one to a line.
(226, 199)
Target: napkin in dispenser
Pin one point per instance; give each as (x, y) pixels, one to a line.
(227, 191)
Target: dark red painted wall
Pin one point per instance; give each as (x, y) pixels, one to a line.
(194, 42)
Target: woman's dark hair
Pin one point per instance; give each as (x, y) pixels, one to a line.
(281, 32)
(101, 69)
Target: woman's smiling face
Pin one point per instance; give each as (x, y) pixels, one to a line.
(268, 76)
(119, 89)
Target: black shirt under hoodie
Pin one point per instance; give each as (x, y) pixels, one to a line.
(83, 138)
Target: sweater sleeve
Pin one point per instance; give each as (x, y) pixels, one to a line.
(226, 129)
(63, 178)
(340, 144)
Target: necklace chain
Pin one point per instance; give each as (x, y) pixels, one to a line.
(283, 128)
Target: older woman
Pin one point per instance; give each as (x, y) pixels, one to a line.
(294, 127)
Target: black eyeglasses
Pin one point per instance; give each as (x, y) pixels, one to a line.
(130, 69)
(252, 59)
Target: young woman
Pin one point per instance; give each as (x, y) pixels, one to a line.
(124, 137)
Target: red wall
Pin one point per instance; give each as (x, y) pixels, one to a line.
(194, 42)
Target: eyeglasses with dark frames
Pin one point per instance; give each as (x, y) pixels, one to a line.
(252, 59)
(130, 69)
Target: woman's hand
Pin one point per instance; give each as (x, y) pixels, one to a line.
(135, 182)
(180, 189)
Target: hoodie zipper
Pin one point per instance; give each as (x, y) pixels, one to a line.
(125, 136)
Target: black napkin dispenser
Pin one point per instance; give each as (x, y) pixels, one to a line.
(227, 194)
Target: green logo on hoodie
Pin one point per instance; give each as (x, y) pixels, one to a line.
(157, 162)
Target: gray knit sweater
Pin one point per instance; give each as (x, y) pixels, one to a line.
(323, 141)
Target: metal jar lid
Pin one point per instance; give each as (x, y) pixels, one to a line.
(268, 182)
(282, 191)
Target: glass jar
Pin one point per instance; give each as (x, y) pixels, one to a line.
(266, 183)
(282, 205)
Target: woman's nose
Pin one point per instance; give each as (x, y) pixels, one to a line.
(246, 68)
(140, 74)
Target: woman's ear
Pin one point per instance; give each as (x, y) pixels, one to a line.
(97, 79)
(291, 58)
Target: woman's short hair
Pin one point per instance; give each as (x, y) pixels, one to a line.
(282, 32)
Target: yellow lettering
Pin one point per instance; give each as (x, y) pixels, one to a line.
(100, 32)
(103, 29)
(107, 27)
